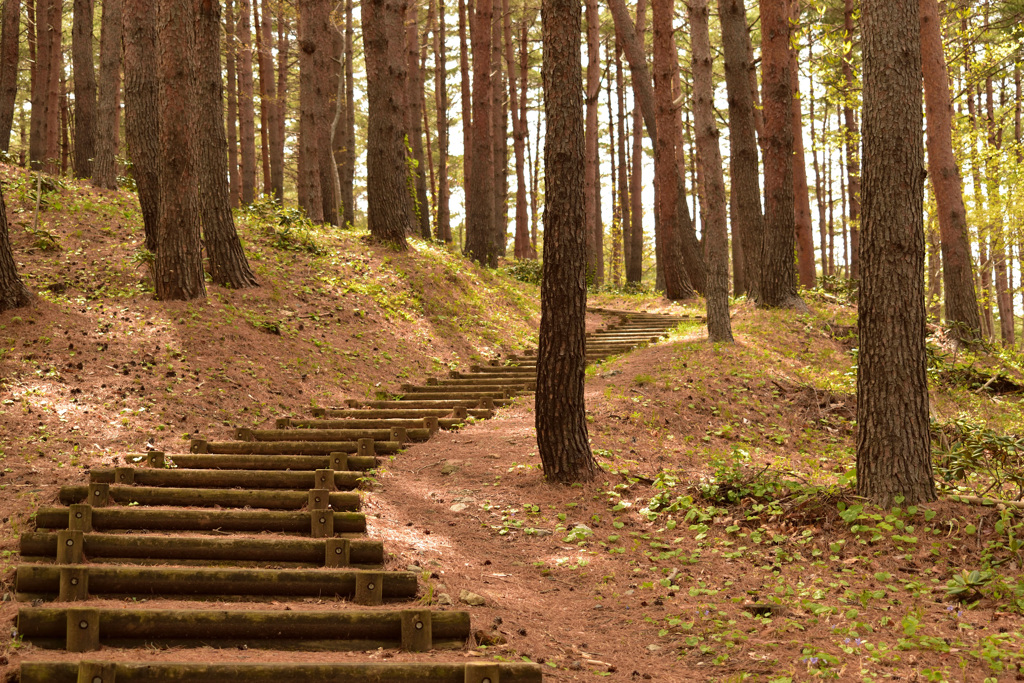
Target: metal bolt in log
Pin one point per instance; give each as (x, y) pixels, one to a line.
(322, 523)
(351, 403)
(486, 403)
(283, 423)
(83, 630)
(69, 547)
(431, 381)
(156, 459)
(339, 462)
(244, 434)
(80, 517)
(365, 447)
(338, 553)
(482, 672)
(74, 584)
(124, 475)
(399, 434)
(99, 495)
(460, 413)
(318, 499)
(432, 424)
(417, 635)
(97, 672)
(369, 588)
(324, 479)
(198, 446)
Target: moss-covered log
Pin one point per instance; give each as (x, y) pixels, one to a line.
(288, 447)
(356, 463)
(200, 520)
(299, 481)
(198, 497)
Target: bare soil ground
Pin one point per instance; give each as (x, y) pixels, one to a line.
(722, 543)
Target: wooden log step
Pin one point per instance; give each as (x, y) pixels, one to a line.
(504, 369)
(399, 413)
(158, 519)
(201, 497)
(433, 403)
(344, 434)
(442, 423)
(265, 479)
(84, 630)
(316, 551)
(428, 423)
(529, 384)
(377, 672)
(444, 394)
(333, 461)
(38, 580)
(292, 447)
(530, 376)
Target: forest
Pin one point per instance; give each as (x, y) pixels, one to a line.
(511, 340)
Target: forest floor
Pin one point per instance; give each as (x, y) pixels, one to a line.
(722, 542)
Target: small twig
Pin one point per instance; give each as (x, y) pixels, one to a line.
(420, 469)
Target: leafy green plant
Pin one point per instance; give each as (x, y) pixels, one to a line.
(968, 456)
(524, 270)
(966, 586)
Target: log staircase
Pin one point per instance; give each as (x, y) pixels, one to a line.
(272, 515)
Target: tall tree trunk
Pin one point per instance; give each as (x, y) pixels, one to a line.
(535, 184)
(228, 265)
(348, 156)
(1004, 300)
(934, 270)
(142, 110)
(984, 258)
(666, 170)
(523, 247)
(524, 72)
(326, 62)
(13, 292)
(443, 226)
(104, 172)
(85, 87)
(801, 197)
(1018, 105)
(480, 244)
(281, 104)
(690, 247)
(778, 289)
(635, 260)
(467, 110)
(9, 54)
(615, 263)
(499, 131)
(40, 82)
(561, 358)
(957, 265)
(624, 203)
(179, 263)
(590, 177)
(709, 156)
(414, 118)
(261, 29)
(310, 190)
(271, 107)
(246, 110)
(388, 201)
(893, 439)
(234, 179)
(748, 221)
(852, 146)
(819, 189)
(54, 87)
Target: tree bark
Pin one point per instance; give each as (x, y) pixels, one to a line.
(819, 189)
(414, 119)
(142, 110)
(13, 292)
(246, 111)
(326, 83)
(666, 170)
(778, 288)
(709, 156)
(270, 105)
(283, 52)
(55, 80)
(39, 151)
(561, 357)
(310, 191)
(624, 203)
(85, 87)
(443, 224)
(748, 221)
(590, 177)
(104, 172)
(179, 264)
(689, 246)
(9, 54)
(499, 131)
(467, 112)
(957, 264)
(801, 196)
(228, 265)
(852, 147)
(388, 201)
(615, 262)
(893, 439)
(348, 156)
(635, 260)
(523, 248)
(480, 243)
(1004, 300)
(234, 179)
